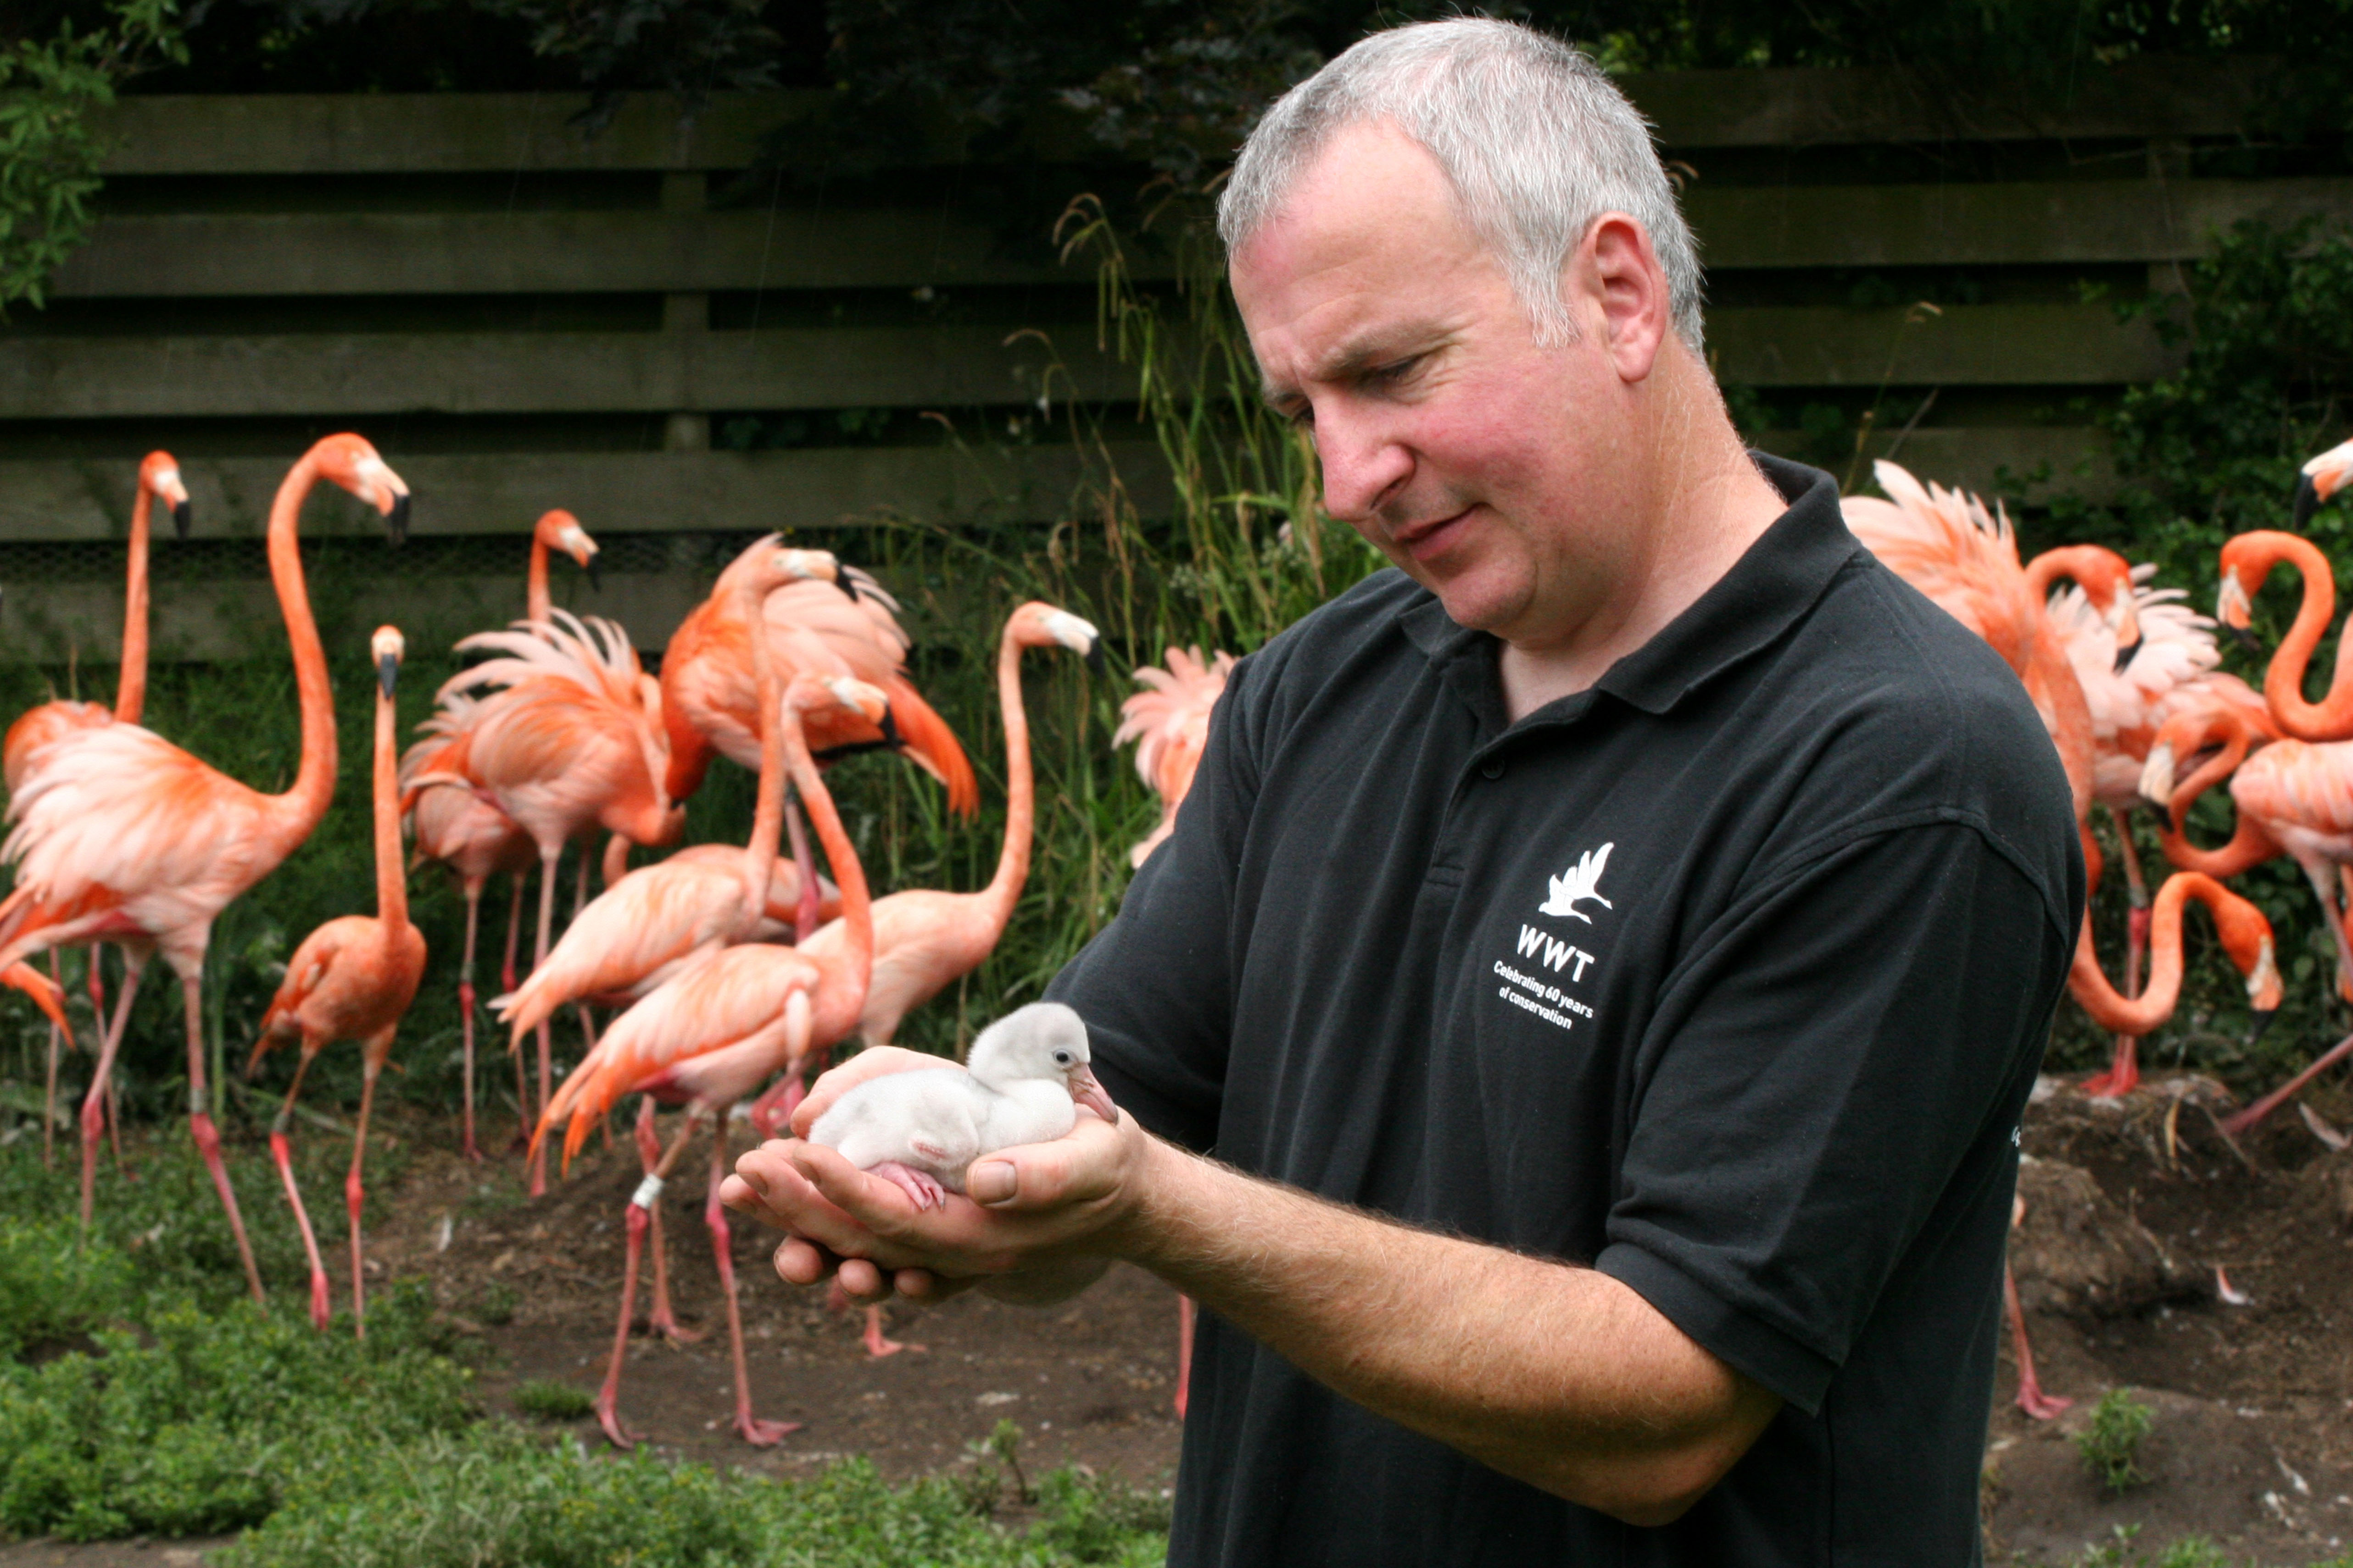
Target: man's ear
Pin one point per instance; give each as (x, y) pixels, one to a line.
(1614, 280)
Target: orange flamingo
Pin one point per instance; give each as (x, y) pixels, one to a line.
(2247, 560)
(122, 837)
(352, 979)
(715, 1031)
(2246, 937)
(159, 479)
(2320, 478)
(653, 920)
(468, 834)
(2235, 730)
(1170, 725)
(573, 742)
(925, 939)
(707, 679)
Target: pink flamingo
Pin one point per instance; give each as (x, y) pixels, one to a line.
(1170, 725)
(925, 939)
(2247, 560)
(474, 838)
(159, 479)
(715, 1031)
(352, 979)
(571, 744)
(122, 837)
(707, 679)
(2037, 1405)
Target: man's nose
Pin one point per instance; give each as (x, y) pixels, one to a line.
(1364, 464)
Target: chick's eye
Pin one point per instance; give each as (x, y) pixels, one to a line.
(1062, 1058)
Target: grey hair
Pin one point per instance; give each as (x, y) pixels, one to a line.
(1534, 140)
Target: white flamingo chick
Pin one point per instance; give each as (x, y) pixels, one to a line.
(1028, 1076)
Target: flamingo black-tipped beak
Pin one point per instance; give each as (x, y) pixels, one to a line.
(2264, 1016)
(387, 672)
(2125, 654)
(891, 736)
(396, 521)
(2246, 639)
(184, 518)
(596, 577)
(842, 580)
(2308, 500)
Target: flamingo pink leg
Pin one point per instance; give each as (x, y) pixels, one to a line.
(282, 1152)
(354, 1192)
(752, 1430)
(2031, 1398)
(507, 975)
(93, 1105)
(466, 1010)
(660, 1320)
(1184, 1352)
(880, 1344)
(637, 1219)
(2247, 1120)
(917, 1185)
(49, 1097)
(207, 1137)
(804, 913)
(546, 1063)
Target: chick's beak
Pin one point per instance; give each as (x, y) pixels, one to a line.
(1089, 1093)
(388, 671)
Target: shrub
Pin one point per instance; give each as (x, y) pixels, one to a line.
(2110, 1445)
(547, 1401)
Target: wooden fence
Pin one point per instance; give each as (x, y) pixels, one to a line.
(523, 316)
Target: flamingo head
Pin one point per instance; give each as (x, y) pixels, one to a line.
(350, 461)
(385, 647)
(1039, 624)
(780, 568)
(159, 476)
(2156, 773)
(2247, 938)
(559, 530)
(2321, 479)
(813, 694)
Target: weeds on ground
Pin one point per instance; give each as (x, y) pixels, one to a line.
(543, 1400)
(496, 1496)
(2189, 1552)
(2110, 1445)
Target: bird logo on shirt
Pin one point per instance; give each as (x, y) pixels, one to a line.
(1581, 882)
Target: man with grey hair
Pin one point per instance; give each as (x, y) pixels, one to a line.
(1607, 955)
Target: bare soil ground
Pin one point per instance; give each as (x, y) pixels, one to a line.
(2130, 1207)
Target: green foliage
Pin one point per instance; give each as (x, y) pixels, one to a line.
(2110, 1443)
(201, 1423)
(543, 1400)
(52, 1287)
(494, 1498)
(2189, 1551)
(48, 159)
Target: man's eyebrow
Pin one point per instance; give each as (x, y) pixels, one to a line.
(1353, 358)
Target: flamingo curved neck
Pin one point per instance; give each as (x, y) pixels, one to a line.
(769, 810)
(2074, 561)
(537, 603)
(2283, 679)
(857, 907)
(131, 684)
(2135, 1014)
(391, 882)
(299, 808)
(1004, 889)
(2249, 845)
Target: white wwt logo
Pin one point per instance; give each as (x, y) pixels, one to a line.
(1551, 952)
(1581, 882)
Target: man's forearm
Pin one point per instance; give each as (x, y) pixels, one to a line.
(1560, 1376)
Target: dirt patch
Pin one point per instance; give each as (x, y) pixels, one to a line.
(2131, 1208)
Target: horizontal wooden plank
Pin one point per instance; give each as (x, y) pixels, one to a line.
(1994, 462)
(548, 372)
(246, 255)
(1964, 345)
(297, 133)
(630, 491)
(364, 375)
(2087, 221)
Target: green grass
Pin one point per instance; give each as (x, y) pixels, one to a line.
(2110, 1445)
(543, 1400)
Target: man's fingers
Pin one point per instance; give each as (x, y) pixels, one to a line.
(1074, 1168)
(876, 1061)
(802, 1263)
(862, 1282)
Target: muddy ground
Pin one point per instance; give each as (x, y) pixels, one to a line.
(2130, 1208)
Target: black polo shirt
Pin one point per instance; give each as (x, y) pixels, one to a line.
(1729, 976)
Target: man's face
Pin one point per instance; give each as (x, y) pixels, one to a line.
(1482, 464)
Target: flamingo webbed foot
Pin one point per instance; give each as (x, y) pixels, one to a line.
(763, 1434)
(927, 1192)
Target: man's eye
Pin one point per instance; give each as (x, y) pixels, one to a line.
(1399, 370)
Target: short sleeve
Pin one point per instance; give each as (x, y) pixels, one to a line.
(1155, 986)
(1833, 1053)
